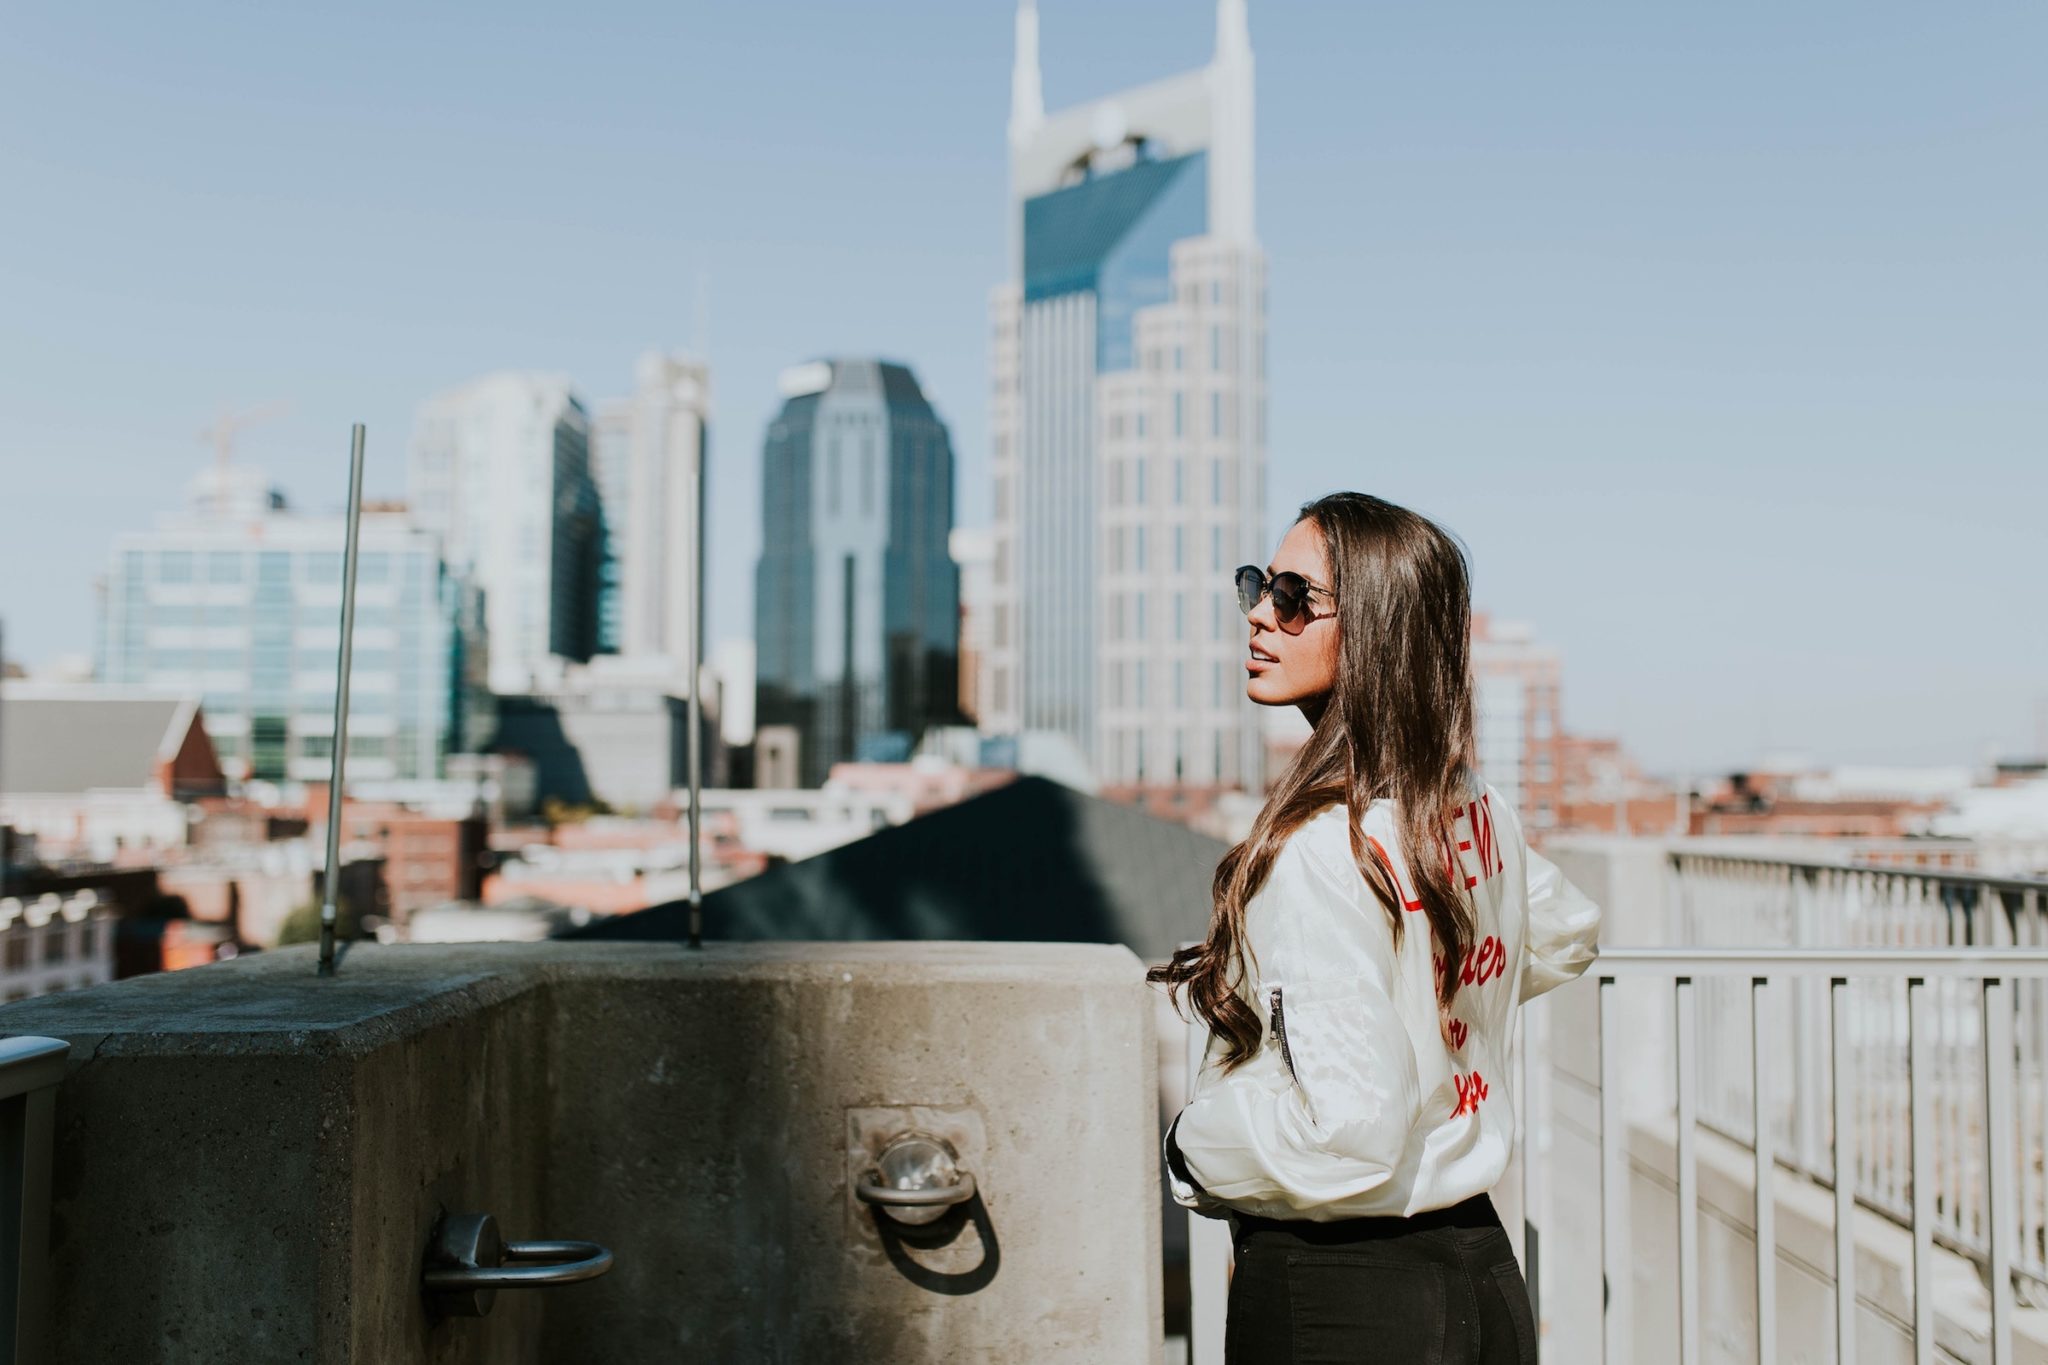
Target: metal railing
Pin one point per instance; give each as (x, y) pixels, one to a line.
(1756, 902)
(1934, 982)
(1992, 973)
(29, 1071)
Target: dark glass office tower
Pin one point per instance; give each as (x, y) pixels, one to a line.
(856, 600)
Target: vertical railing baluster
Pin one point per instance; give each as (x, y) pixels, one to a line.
(1614, 1273)
(1845, 1182)
(1998, 1161)
(1688, 1174)
(1209, 1249)
(2032, 1100)
(1760, 1044)
(1920, 1077)
(1806, 1096)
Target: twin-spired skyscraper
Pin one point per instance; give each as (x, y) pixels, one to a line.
(1128, 422)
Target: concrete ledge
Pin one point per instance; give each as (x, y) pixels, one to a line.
(250, 1157)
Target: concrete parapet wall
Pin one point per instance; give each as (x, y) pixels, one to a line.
(250, 1159)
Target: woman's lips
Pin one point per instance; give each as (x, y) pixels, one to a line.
(1255, 664)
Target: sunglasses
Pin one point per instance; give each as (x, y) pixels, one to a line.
(1290, 593)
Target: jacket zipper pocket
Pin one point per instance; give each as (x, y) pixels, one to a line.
(1277, 1011)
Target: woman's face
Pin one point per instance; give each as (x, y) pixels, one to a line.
(1296, 664)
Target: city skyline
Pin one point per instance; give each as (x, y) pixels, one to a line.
(1722, 389)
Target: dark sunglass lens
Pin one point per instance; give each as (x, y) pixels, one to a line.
(1251, 586)
(1290, 596)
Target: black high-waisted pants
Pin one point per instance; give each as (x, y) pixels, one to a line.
(1441, 1288)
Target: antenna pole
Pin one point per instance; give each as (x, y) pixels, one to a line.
(330, 885)
(696, 708)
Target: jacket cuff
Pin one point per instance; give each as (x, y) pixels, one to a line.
(1186, 1190)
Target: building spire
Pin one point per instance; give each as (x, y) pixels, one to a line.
(1027, 93)
(1233, 31)
(1231, 131)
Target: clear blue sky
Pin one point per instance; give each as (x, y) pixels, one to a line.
(1720, 335)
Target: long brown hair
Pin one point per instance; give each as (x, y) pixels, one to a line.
(1397, 725)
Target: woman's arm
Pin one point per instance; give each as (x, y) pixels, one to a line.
(1323, 1114)
(1564, 927)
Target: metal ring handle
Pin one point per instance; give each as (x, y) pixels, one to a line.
(872, 1191)
(556, 1263)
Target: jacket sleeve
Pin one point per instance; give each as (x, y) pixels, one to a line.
(1564, 927)
(1323, 1115)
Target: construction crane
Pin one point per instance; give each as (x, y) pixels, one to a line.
(221, 435)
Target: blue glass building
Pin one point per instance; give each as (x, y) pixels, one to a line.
(856, 600)
(238, 602)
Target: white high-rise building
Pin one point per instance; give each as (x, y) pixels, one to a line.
(649, 454)
(1128, 422)
(500, 469)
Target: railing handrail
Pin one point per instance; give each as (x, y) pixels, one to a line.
(1932, 874)
(1975, 964)
(30, 1063)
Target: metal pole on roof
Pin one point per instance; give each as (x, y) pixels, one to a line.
(330, 889)
(6, 835)
(696, 709)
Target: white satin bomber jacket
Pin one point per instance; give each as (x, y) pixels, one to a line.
(1364, 1100)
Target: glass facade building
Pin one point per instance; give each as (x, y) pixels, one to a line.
(239, 603)
(500, 469)
(856, 597)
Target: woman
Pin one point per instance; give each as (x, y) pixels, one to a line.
(1370, 941)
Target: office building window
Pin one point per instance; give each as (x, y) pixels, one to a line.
(1177, 357)
(1179, 415)
(1180, 697)
(1139, 632)
(1179, 564)
(1179, 481)
(1141, 549)
(1215, 414)
(1216, 549)
(1140, 470)
(1216, 482)
(1179, 622)
(1215, 347)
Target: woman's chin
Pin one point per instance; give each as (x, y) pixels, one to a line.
(1267, 690)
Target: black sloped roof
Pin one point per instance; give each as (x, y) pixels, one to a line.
(1032, 861)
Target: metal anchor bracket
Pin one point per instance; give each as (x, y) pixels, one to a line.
(467, 1264)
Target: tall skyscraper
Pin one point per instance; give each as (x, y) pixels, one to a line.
(1128, 422)
(856, 600)
(649, 453)
(238, 601)
(500, 469)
